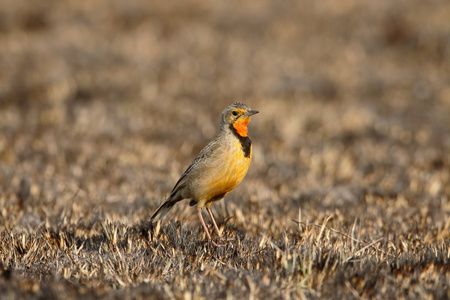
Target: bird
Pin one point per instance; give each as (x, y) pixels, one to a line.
(218, 168)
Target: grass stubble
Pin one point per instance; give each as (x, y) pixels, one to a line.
(334, 257)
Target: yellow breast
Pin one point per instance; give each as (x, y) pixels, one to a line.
(224, 174)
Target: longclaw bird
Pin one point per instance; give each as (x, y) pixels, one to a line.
(218, 168)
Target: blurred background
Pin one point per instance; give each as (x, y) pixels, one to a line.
(103, 104)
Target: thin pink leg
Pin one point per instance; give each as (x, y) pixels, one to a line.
(214, 222)
(199, 212)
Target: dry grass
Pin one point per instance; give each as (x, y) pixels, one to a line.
(103, 104)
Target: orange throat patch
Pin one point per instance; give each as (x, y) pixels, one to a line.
(241, 125)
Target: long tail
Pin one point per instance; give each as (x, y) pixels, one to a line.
(162, 210)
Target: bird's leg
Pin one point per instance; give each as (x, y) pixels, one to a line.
(214, 222)
(199, 212)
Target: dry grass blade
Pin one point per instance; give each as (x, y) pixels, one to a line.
(367, 244)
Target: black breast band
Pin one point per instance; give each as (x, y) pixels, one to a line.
(245, 141)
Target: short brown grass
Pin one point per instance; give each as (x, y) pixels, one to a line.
(103, 105)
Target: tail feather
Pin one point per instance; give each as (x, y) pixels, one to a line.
(162, 210)
(166, 206)
(174, 197)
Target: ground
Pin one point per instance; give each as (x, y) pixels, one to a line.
(103, 104)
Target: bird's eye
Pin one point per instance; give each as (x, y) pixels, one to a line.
(234, 113)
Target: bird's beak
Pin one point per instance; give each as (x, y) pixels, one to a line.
(251, 113)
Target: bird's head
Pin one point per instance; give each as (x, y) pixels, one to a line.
(237, 116)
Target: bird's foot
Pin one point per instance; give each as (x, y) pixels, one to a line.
(216, 244)
(220, 243)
